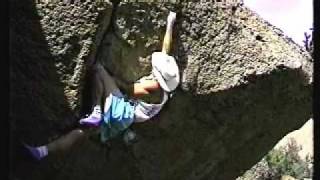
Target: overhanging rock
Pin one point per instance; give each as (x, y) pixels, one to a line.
(244, 86)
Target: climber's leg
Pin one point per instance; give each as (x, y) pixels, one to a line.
(103, 84)
(61, 144)
(65, 142)
(97, 95)
(107, 80)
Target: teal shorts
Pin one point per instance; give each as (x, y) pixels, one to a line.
(118, 116)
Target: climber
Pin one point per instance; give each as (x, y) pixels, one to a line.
(113, 112)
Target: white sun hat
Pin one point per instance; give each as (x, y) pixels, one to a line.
(165, 70)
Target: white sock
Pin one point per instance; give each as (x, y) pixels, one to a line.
(43, 151)
(97, 110)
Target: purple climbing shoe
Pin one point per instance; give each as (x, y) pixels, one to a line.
(94, 119)
(37, 152)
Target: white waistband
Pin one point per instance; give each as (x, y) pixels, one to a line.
(144, 111)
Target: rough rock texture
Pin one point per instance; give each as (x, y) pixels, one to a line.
(70, 31)
(244, 86)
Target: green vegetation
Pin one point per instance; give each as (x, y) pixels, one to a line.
(282, 161)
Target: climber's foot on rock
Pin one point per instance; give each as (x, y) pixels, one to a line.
(94, 119)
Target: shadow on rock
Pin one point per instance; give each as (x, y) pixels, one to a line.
(39, 110)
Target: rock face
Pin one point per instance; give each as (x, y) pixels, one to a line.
(244, 86)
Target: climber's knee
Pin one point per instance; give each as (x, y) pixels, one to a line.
(79, 131)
